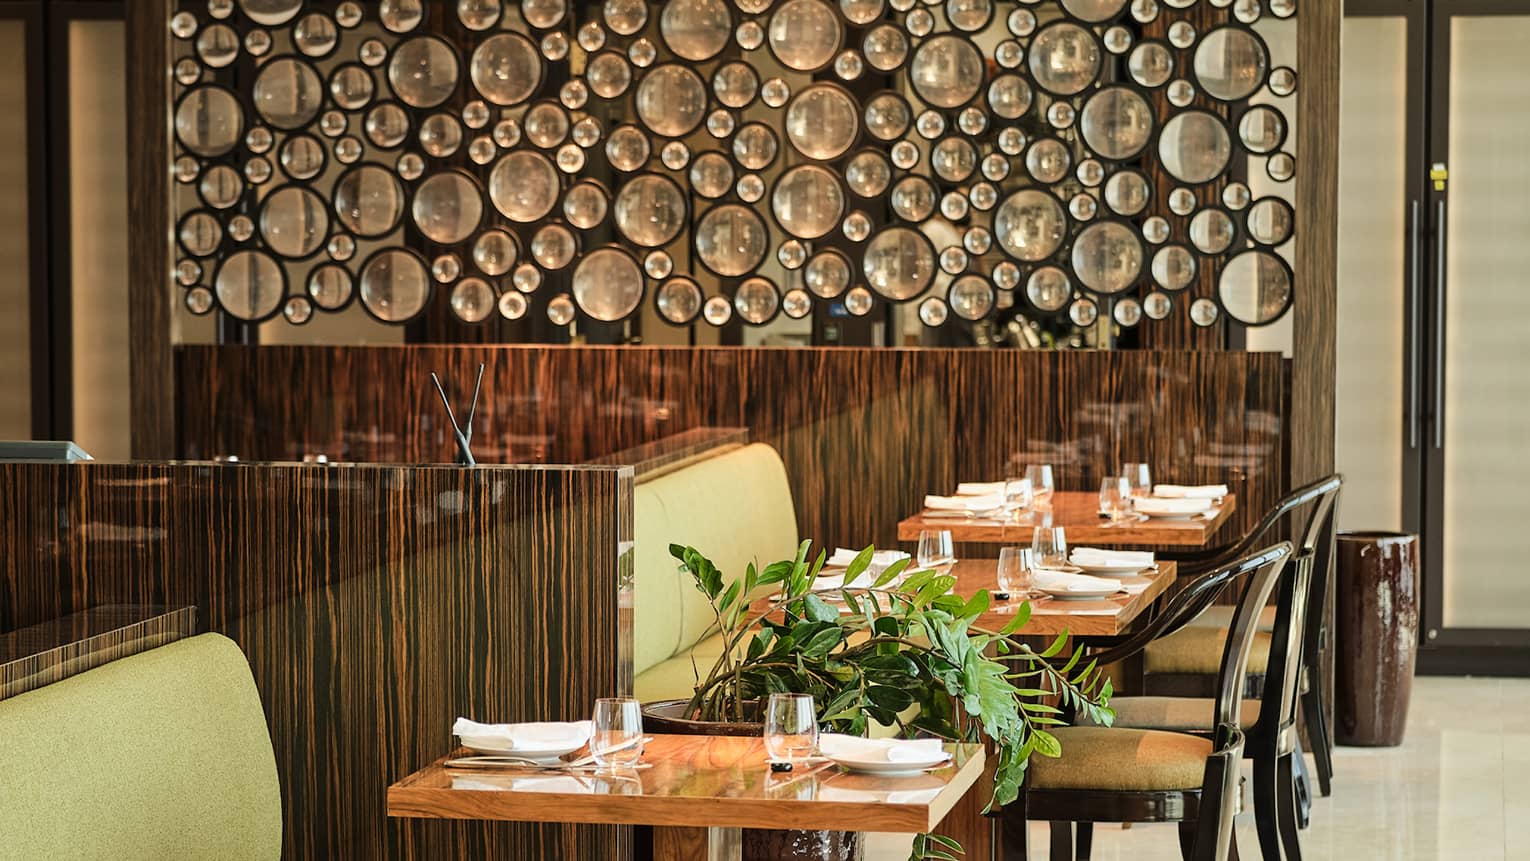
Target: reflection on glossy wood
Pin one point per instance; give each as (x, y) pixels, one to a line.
(375, 605)
(51, 651)
(1108, 617)
(697, 781)
(1079, 513)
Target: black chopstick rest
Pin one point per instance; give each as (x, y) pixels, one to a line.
(1001, 596)
(780, 766)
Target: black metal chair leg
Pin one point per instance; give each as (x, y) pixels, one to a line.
(1317, 732)
(1187, 832)
(1015, 831)
(1083, 840)
(1266, 805)
(1062, 841)
(1290, 837)
(1303, 787)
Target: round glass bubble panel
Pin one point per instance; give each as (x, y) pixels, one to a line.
(650, 210)
(671, 100)
(221, 186)
(524, 186)
(1194, 147)
(315, 35)
(199, 233)
(506, 69)
(731, 240)
(885, 47)
(678, 300)
(369, 201)
(1030, 225)
(1128, 311)
(805, 34)
(351, 86)
(1262, 129)
(899, 263)
(395, 285)
(696, 30)
(1230, 63)
(1009, 96)
(953, 159)
(1270, 221)
(1173, 267)
(218, 45)
(560, 310)
(627, 148)
(209, 121)
(755, 146)
(387, 125)
(423, 71)
(554, 246)
(888, 116)
(914, 198)
(933, 312)
(1116, 123)
(796, 304)
(1204, 312)
(448, 207)
(711, 174)
(756, 301)
(969, 16)
(329, 286)
(269, 13)
(401, 16)
(1064, 58)
(585, 204)
(1048, 161)
(971, 297)
(1083, 312)
(494, 252)
(294, 222)
(1281, 166)
(735, 84)
(1107, 257)
(808, 201)
(625, 17)
(1094, 11)
(717, 310)
(946, 71)
(473, 300)
(479, 14)
(822, 121)
(1150, 64)
(608, 284)
(1212, 231)
(868, 173)
(250, 285)
(1048, 289)
(543, 14)
(827, 274)
(1127, 193)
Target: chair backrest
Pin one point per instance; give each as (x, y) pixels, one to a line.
(162, 754)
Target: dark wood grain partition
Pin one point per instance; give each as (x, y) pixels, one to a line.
(864, 433)
(375, 604)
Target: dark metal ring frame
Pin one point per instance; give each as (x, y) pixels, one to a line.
(993, 294)
(1201, 37)
(844, 26)
(658, 26)
(222, 232)
(712, 85)
(257, 217)
(1271, 157)
(658, 287)
(934, 259)
(746, 207)
(732, 155)
(733, 300)
(378, 104)
(835, 176)
(291, 28)
(651, 70)
(1235, 126)
(286, 286)
(908, 106)
(1248, 232)
(430, 283)
(350, 297)
(354, 168)
(1216, 293)
(859, 119)
(849, 267)
(613, 196)
(851, 156)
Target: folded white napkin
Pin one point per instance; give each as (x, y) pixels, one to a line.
(981, 488)
(914, 750)
(842, 559)
(830, 792)
(1090, 556)
(1172, 505)
(1061, 581)
(525, 736)
(1198, 491)
(964, 503)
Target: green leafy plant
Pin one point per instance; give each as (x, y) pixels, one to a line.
(907, 654)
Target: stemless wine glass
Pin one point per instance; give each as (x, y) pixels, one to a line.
(1140, 477)
(1015, 571)
(791, 727)
(1116, 497)
(618, 738)
(1017, 494)
(934, 548)
(1050, 545)
(1040, 475)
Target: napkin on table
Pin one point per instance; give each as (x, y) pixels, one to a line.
(842, 559)
(981, 488)
(837, 746)
(525, 736)
(1085, 556)
(1062, 581)
(964, 503)
(1173, 505)
(1181, 491)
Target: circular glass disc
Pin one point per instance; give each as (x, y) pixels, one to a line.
(1194, 146)
(1030, 225)
(1064, 58)
(822, 121)
(696, 30)
(448, 207)
(671, 100)
(209, 121)
(1230, 63)
(805, 34)
(1255, 287)
(1117, 123)
(946, 71)
(524, 186)
(294, 221)
(808, 201)
(395, 285)
(506, 68)
(423, 71)
(899, 263)
(608, 284)
(650, 210)
(731, 240)
(1107, 257)
(369, 201)
(250, 285)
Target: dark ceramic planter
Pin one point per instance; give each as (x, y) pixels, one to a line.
(1377, 620)
(668, 716)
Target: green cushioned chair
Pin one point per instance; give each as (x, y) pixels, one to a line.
(161, 755)
(735, 507)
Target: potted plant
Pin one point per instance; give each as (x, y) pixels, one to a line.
(905, 653)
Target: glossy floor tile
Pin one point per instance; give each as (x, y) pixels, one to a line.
(1458, 789)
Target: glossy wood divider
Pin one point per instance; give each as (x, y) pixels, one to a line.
(48, 652)
(375, 605)
(864, 433)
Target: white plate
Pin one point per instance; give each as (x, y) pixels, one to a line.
(1175, 515)
(550, 755)
(1113, 570)
(889, 769)
(1075, 595)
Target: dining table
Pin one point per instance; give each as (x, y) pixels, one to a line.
(698, 792)
(1079, 513)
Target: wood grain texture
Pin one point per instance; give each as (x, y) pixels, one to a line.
(375, 605)
(1077, 511)
(149, 249)
(696, 781)
(52, 651)
(864, 434)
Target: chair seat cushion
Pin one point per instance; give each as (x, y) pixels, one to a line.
(1184, 714)
(1198, 649)
(1220, 616)
(1108, 758)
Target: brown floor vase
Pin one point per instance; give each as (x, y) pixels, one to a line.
(1377, 636)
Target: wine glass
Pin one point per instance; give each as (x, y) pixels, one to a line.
(618, 738)
(934, 548)
(1116, 497)
(791, 727)
(1015, 575)
(1140, 478)
(1040, 475)
(1017, 494)
(1050, 546)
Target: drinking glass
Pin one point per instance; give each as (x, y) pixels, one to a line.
(1050, 546)
(934, 548)
(1140, 477)
(791, 727)
(1017, 493)
(1116, 497)
(1015, 571)
(1040, 475)
(617, 741)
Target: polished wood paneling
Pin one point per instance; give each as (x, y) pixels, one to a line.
(1077, 511)
(865, 434)
(375, 604)
(697, 781)
(149, 250)
(52, 651)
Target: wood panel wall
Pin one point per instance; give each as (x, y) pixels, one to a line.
(375, 604)
(864, 433)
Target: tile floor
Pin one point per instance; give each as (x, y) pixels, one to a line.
(1458, 789)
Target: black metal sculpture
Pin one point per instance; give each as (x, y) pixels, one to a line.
(464, 432)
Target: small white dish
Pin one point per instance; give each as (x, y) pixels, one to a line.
(864, 755)
(1077, 595)
(1114, 570)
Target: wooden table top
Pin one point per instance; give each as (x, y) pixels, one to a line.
(1078, 512)
(695, 781)
(1109, 617)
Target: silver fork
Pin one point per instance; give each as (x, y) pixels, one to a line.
(500, 759)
